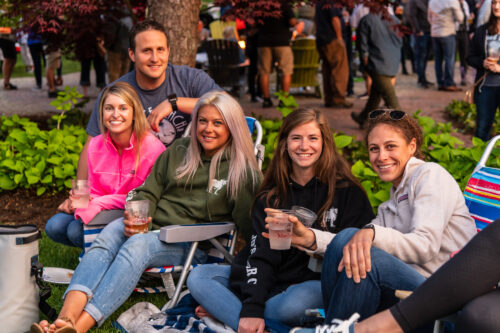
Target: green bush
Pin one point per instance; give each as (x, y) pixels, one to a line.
(70, 102)
(465, 114)
(33, 158)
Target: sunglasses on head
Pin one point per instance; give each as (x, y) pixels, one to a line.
(393, 114)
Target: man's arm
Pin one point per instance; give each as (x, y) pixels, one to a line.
(184, 104)
(337, 27)
(457, 12)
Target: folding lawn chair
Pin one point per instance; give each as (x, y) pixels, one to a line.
(482, 192)
(222, 235)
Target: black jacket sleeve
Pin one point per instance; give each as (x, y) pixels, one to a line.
(476, 54)
(260, 267)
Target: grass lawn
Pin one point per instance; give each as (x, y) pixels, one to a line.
(69, 66)
(56, 255)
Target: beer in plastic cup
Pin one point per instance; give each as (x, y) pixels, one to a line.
(138, 215)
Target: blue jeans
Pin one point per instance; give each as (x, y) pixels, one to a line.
(487, 103)
(209, 285)
(342, 297)
(444, 50)
(421, 51)
(110, 270)
(65, 229)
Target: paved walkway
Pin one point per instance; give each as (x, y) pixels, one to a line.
(25, 101)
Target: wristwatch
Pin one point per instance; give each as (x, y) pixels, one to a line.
(370, 226)
(173, 101)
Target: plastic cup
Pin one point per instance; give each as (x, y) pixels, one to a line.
(81, 193)
(306, 216)
(280, 231)
(138, 215)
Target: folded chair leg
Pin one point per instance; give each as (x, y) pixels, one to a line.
(221, 248)
(438, 326)
(184, 273)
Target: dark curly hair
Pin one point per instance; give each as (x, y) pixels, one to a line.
(407, 126)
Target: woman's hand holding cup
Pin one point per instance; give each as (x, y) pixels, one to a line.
(130, 227)
(302, 236)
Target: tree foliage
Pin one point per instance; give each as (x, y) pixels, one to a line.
(64, 22)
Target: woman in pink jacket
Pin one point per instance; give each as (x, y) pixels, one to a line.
(119, 160)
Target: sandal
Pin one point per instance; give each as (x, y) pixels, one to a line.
(36, 328)
(70, 328)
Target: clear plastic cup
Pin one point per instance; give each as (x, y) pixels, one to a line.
(138, 215)
(81, 193)
(306, 216)
(280, 230)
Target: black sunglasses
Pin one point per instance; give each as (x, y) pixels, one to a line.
(394, 114)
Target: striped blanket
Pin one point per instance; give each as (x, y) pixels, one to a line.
(147, 318)
(482, 196)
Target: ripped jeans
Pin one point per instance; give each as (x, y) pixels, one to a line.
(110, 270)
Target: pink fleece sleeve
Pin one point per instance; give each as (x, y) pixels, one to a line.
(96, 205)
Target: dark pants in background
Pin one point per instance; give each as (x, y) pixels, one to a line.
(100, 72)
(487, 103)
(444, 52)
(335, 70)
(382, 88)
(462, 49)
(38, 56)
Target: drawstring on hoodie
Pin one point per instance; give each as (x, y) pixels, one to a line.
(290, 184)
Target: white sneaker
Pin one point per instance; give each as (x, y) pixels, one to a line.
(337, 326)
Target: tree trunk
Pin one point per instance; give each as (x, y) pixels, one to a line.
(180, 19)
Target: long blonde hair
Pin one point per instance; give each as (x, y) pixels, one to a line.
(239, 145)
(140, 126)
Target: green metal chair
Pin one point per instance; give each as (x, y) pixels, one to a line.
(305, 64)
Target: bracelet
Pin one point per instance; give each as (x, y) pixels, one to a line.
(311, 246)
(370, 226)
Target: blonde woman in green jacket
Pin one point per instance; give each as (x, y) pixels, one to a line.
(211, 176)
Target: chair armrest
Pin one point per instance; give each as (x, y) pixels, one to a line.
(194, 232)
(106, 216)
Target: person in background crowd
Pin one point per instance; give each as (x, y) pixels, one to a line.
(483, 55)
(8, 47)
(116, 37)
(332, 50)
(358, 13)
(274, 46)
(421, 29)
(406, 50)
(35, 44)
(90, 49)
(22, 39)
(443, 15)
(380, 49)
(463, 41)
